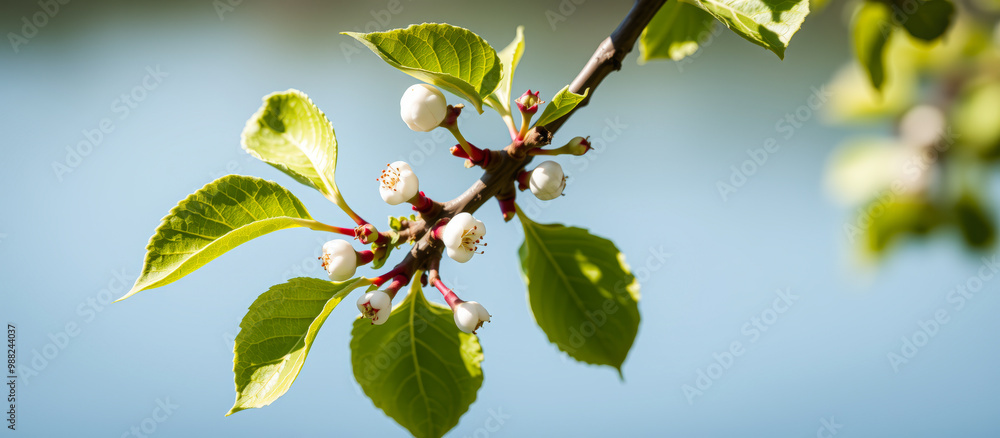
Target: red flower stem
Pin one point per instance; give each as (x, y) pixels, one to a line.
(365, 257)
(438, 231)
(381, 279)
(449, 295)
(397, 283)
(522, 180)
(421, 203)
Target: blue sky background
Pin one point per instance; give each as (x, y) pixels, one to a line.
(651, 187)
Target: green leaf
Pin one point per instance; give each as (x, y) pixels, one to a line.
(817, 5)
(975, 222)
(443, 55)
(872, 29)
(767, 23)
(906, 215)
(418, 367)
(673, 33)
(562, 103)
(930, 20)
(290, 133)
(217, 218)
(276, 335)
(581, 292)
(976, 119)
(509, 57)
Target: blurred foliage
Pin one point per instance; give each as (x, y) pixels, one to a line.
(931, 71)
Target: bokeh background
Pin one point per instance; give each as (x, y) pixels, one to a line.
(666, 134)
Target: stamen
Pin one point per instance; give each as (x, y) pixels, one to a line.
(389, 178)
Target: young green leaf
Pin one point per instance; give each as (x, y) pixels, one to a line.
(976, 119)
(418, 367)
(509, 57)
(930, 20)
(442, 55)
(561, 104)
(276, 334)
(290, 133)
(581, 292)
(975, 222)
(220, 216)
(767, 23)
(872, 29)
(906, 215)
(674, 32)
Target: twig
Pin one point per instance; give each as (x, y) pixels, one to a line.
(504, 165)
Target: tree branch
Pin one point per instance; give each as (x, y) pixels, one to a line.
(504, 165)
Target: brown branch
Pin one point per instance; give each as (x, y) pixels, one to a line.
(504, 165)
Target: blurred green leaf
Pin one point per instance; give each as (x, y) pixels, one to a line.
(898, 217)
(581, 292)
(817, 5)
(443, 55)
(767, 23)
(673, 33)
(276, 335)
(853, 99)
(975, 222)
(862, 167)
(930, 20)
(418, 367)
(976, 119)
(220, 216)
(872, 29)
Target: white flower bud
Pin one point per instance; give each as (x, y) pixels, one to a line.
(375, 305)
(470, 316)
(462, 235)
(339, 259)
(423, 107)
(547, 181)
(398, 183)
(578, 146)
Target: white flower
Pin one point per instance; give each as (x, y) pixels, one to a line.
(339, 259)
(547, 181)
(375, 305)
(461, 236)
(470, 316)
(423, 107)
(398, 183)
(922, 126)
